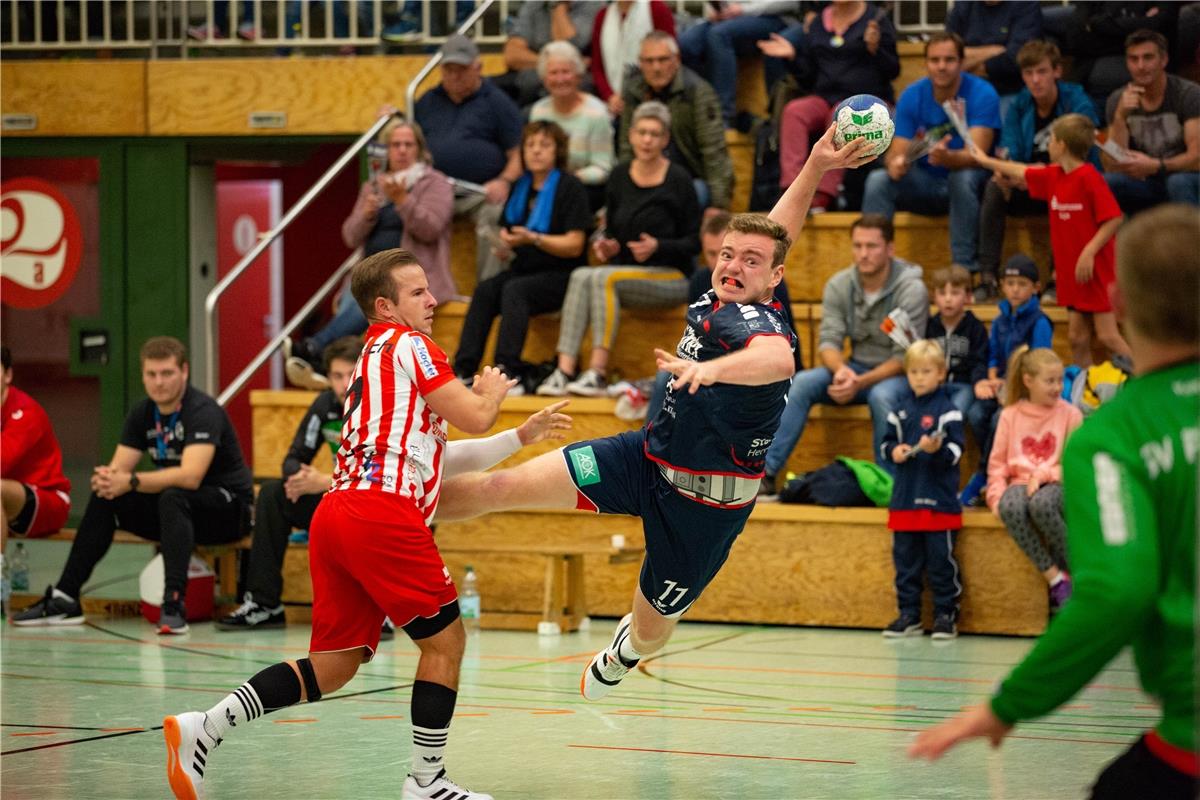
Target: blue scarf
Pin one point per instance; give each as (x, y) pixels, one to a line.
(539, 217)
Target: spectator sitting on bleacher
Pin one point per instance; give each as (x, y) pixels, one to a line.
(199, 491)
(409, 205)
(35, 492)
(1024, 470)
(697, 135)
(928, 168)
(712, 47)
(962, 337)
(924, 439)
(649, 241)
(290, 502)
(857, 300)
(993, 32)
(616, 41)
(473, 130)
(538, 23)
(1025, 138)
(583, 116)
(543, 239)
(848, 49)
(1021, 321)
(1156, 119)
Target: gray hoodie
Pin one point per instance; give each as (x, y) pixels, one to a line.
(845, 313)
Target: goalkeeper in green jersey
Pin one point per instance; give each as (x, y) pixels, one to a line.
(1129, 484)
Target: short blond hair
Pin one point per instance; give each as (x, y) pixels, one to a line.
(1076, 132)
(372, 277)
(1158, 271)
(759, 224)
(924, 351)
(953, 275)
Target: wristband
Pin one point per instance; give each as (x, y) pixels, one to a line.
(1162, 166)
(134, 482)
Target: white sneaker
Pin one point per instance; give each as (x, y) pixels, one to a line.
(606, 668)
(590, 383)
(188, 750)
(441, 788)
(555, 385)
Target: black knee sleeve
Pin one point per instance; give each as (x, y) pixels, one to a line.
(311, 689)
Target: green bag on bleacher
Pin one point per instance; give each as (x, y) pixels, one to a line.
(872, 479)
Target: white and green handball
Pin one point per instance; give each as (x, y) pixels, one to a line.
(864, 116)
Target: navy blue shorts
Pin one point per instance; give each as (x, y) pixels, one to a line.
(686, 541)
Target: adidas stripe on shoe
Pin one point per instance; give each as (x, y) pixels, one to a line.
(188, 750)
(607, 668)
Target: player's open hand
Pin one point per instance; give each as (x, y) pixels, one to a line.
(692, 374)
(853, 154)
(545, 424)
(978, 722)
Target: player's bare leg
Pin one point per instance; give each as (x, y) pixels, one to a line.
(541, 482)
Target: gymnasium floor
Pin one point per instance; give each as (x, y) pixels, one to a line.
(727, 711)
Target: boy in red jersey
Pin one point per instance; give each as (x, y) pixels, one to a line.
(371, 552)
(32, 484)
(1084, 217)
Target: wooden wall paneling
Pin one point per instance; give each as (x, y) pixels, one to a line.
(76, 98)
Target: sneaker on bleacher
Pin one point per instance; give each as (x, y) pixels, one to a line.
(252, 616)
(590, 383)
(55, 608)
(555, 385)
(972, 494)
(302, 364)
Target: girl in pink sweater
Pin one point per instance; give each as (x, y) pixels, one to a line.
(1025, 469)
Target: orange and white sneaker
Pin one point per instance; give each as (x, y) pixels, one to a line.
(607, 668)
(440, 788)
(188, 749)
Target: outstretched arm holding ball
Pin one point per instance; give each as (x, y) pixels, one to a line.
(792, 208)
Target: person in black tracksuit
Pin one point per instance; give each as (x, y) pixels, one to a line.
(291, 502)
(924, 439)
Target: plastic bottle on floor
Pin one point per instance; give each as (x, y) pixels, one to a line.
(19, 570)
(468, 600)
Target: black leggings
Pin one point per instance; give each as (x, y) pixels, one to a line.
(178, 518)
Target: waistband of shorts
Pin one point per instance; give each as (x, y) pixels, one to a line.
(1179, 758)
(723, 491)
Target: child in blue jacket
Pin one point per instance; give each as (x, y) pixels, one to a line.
(925, 440)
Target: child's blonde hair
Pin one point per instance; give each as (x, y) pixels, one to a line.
(1024, 362)
(953, 275)
(1076, 132)
(924, 351)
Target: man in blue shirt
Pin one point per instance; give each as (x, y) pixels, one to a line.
(1025, 138)
(928, 167)
(692, 474)
(474, 133)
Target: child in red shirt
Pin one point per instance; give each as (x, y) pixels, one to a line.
(1084, 217)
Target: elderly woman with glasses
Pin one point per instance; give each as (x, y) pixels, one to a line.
(646, 253)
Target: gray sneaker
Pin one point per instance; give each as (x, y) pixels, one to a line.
(590, 383)
(55, 608)
(172, 618)
(555, 385)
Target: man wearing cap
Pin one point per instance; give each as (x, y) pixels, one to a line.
(473, 130)
(1020, 321)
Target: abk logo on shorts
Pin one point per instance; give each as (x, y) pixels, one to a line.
(424, 360)
(587, 471)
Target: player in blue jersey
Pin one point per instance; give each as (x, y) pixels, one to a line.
(693, 472)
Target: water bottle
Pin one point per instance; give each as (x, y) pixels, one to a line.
(468, 600)
(19, 571)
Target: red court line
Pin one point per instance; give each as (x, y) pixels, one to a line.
(39, 733)
(868, 728)
(291, 721)
(472, 715)
(810, 708)
(384, 716)
(559, 711)
(717, 755)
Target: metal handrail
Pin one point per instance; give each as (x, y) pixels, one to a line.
(210, 301)
(410, 94)
(244, 376)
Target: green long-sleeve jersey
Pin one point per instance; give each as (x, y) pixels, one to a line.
(1129, 486)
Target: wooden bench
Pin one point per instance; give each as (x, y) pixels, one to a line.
(221, 558)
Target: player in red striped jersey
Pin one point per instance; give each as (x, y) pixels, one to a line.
(371, 552)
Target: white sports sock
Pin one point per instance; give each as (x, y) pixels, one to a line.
(242, 705)
(63, 595)
(625, 650)
(429, 748)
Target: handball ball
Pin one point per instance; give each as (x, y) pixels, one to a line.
(864, 116)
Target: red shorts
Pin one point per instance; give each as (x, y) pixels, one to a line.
(45, 512)
(371, 556)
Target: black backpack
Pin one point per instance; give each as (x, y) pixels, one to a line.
(765, 190)
(832, 485)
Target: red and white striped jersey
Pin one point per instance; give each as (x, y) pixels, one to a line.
(392, 441)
